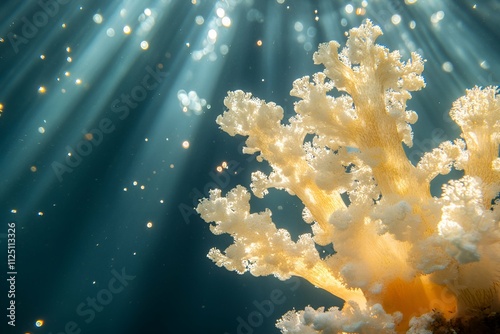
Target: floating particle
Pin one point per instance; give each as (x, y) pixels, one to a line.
(42, 90)
(221, 167)
(259, 42)
(447, 67)
(438, 16)
(396, 19)
(220, 12)
(185, 144)
(311, 31)
(97, 18)
(191, 102)
(40, 213)
(360, 11)
(484, 65)
(144, 45)
(212, 36)
(13, 211)
(41, 129)
(42, 57)
(226, 21)
(199, 20)
(224, 49)
(149, 225)
(39, 323)
(127, 30)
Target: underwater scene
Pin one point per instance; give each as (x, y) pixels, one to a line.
(249, 166)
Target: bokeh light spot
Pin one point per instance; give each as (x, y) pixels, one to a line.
(97, 18)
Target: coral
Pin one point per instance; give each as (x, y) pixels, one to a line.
(401, 255)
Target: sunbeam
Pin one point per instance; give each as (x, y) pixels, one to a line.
(109, 140)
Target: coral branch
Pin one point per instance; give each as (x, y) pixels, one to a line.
(262, 249)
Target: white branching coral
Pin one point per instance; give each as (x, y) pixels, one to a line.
(401, 254)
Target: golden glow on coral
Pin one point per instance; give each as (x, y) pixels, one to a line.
(321, 276)
(416, 297)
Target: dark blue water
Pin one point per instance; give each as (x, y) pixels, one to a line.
(107, 124)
